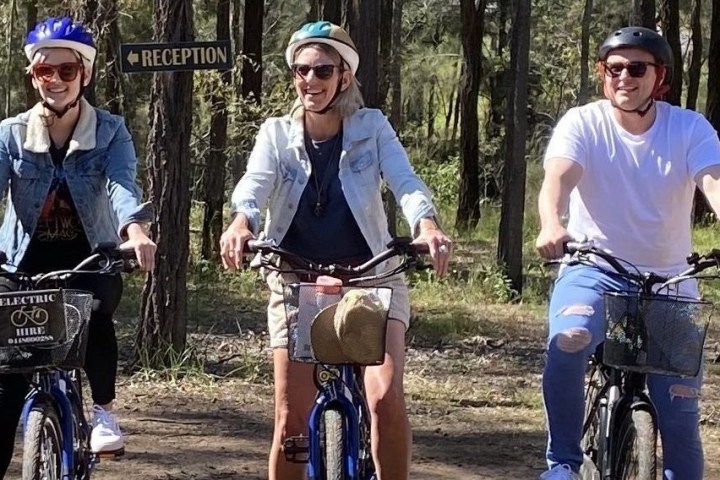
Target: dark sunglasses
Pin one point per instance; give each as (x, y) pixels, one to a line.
(66, 71)
(323, 72)
(634, 69)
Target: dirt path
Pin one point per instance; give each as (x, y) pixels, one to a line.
(475, 410)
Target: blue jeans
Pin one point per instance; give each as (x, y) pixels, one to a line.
(576, 327)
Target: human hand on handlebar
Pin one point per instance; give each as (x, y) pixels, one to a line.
(438, 243)
(550, 241)
(233, 241)
(142, 245)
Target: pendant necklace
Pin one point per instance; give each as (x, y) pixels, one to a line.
(331, 168)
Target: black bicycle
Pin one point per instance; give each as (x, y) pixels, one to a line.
(43, 333)
(338, 445)
(651, 328)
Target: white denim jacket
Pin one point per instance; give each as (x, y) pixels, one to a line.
(279, 168)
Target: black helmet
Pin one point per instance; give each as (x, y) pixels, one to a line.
(642, 38)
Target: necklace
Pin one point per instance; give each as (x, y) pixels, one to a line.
(331, 169)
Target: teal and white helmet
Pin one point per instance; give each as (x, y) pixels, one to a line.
(327, 33)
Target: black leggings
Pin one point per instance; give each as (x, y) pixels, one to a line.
(100, 359)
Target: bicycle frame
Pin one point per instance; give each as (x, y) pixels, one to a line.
(343, 389)
(624, 393)
(49, 385)
(620, 392)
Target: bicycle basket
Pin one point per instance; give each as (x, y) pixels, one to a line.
(334, 340)
(661, 334)
(43, 329)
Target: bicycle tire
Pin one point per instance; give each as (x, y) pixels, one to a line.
(332, 435)
(42, 443)
(592, 442)
(636, 450)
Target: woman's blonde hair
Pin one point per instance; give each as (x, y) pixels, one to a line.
(347, 101)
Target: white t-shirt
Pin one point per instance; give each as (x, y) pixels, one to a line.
(635, 195)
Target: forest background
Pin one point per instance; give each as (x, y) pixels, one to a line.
(473, 87)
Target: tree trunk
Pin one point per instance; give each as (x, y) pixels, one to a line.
(90, 18)
(394, 66)
(252, 48)
(386, 20)
(32, 13)
(510, 238)
(644, 13)
(364, 21)
(497, 78)
(670, 24)
(114, 80)
(712, 109)
(237, 37)
(164, 300)
(471, 31)
(695, 66)
(332, 11)
(214, 184)
(584, 93)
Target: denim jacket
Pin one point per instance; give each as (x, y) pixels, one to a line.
(279, 168)
(100, 169)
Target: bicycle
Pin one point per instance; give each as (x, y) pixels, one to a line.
(338, 443)
(644, 325)
(50, 347)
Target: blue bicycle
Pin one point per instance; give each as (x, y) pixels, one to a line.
(338, 443)
(43, 333)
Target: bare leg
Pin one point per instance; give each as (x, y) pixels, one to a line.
(294, 395)
(390, 430)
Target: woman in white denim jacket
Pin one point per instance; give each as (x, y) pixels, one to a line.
(319, 171)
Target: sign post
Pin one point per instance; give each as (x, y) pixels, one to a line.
(178, 56)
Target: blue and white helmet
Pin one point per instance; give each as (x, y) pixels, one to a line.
(329, 34)
(61, 32)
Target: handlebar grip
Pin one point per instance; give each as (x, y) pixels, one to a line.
(255, 246)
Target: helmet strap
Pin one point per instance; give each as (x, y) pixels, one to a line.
(329, 106)
(61, 112)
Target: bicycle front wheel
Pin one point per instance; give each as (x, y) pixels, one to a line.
(593, 441)
(635, 452)
(332, 435)
(42, 445)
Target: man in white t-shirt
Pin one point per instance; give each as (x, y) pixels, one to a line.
(624, 169)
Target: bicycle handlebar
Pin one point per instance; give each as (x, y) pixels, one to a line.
(105, 259)
(400, 247)
(698, 263)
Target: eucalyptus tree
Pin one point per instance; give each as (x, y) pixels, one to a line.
(644, 13)
(363, 26)
(510, 236)
(162, 329)
(695, 63)
(670, 25)
(472, 30)
(214, 176)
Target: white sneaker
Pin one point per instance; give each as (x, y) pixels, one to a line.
(560, 472)
(106, 436)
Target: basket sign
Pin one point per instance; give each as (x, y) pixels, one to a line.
(32, 318)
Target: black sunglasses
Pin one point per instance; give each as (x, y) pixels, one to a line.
(323, 72)
(635, 69)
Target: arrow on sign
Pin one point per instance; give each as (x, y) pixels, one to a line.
(133, 58)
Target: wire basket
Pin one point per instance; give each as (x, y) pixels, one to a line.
(303, 302)
(662, 334)
(43, 329)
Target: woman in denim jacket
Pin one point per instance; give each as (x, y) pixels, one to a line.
(319, 172)
(71, 172)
